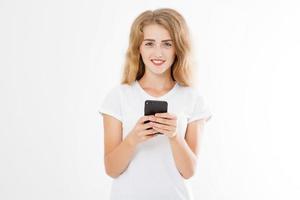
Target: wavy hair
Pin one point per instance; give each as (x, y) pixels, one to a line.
(182, 68)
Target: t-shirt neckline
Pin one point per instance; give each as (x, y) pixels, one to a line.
(146, 94)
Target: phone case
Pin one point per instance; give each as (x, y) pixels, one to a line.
(155, 106)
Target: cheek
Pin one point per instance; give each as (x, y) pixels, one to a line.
(169, 52)
(144, 53)
(171, 56)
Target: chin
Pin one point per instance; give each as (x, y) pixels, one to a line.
(158, 70)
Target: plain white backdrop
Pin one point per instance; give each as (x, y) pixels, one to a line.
(58, 59)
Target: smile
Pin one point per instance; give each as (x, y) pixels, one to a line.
(157, 61)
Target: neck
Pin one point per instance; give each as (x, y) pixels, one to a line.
(157, 82)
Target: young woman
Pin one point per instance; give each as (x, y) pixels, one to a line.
(146, 165)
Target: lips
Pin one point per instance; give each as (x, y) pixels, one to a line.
(157, 61)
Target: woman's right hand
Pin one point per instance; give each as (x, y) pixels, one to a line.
(140, 133)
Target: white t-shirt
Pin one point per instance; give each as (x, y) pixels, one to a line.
(152, 173)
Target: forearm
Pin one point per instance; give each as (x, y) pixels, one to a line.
(185, 159)
(117, 161)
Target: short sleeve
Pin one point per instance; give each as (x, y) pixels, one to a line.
(200, 109)
(111, 105)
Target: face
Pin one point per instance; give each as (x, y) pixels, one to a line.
(157, 49)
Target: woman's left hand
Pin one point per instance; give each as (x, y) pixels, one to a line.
(165, 123)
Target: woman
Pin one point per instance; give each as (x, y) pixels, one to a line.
(146, 165)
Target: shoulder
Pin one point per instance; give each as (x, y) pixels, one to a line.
(119, 89)
(188, 91)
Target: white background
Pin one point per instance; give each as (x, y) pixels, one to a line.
(58, 59)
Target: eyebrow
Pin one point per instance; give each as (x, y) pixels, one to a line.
(152, 40)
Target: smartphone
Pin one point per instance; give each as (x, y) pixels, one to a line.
(154, 106)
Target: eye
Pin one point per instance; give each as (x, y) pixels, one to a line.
(167, 44)
(149, 44)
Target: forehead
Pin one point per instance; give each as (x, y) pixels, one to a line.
(157, 32)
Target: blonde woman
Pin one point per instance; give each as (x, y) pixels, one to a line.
(145, 165)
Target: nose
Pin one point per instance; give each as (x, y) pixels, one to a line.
(158, 51)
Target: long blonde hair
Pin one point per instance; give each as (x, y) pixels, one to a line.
(171, 20)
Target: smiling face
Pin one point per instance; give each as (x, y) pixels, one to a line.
(157, 49)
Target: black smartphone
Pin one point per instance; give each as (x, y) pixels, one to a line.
(154, 106)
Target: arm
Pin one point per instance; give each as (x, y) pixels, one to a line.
(185, 151)
(117, 153)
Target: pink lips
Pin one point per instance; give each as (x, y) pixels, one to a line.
(157, 62)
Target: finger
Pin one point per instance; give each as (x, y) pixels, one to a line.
(166, 115)
(146, 126)
(145, 118)
(170, 122)
(162, 126)
(142, 128)
(147, 132)
(163, 131)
